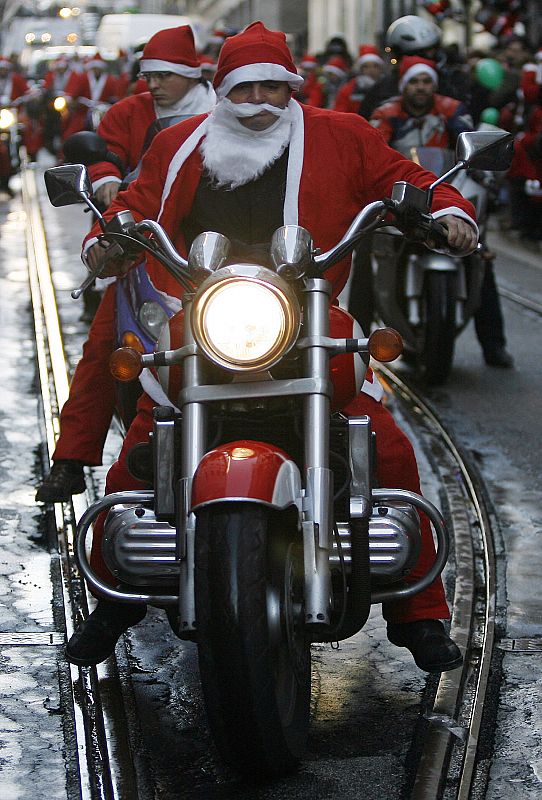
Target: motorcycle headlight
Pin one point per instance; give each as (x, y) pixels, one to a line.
(60, 103)
(245, 318)
(7, 118)
(153, 318)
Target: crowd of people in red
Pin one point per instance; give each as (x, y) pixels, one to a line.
(501, 87)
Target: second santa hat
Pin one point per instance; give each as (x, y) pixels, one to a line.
(172, 50)
(411, 66)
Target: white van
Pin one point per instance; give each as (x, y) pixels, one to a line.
(126, 31)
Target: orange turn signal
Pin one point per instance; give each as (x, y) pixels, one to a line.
(131, 339)
(385, 344)
(125, 364)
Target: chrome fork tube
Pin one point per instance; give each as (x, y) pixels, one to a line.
(194, 434)
(318, 506)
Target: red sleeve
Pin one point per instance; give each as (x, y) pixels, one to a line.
(342, 100)
(381, 122)
(115, 129)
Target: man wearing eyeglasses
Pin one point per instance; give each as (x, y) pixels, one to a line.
(171, 67)
(176, 89)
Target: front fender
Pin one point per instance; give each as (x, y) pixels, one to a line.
(250, 471)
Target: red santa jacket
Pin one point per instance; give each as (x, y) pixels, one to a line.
(337, 164)
(77, 86)
(124, 127)
(348, 98)
(527, 161)
(14, 87)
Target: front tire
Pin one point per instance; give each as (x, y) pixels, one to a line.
(440, 328)
(254, 654)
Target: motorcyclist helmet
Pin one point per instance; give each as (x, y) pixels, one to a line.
(411, 34)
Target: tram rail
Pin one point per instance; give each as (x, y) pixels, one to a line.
(99, 777)
(447, 766)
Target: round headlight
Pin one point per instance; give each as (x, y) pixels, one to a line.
(7, 118)
(60, 103)
(245, 322)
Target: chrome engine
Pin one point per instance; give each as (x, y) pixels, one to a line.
(140, 550)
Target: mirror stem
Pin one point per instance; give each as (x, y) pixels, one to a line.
(451, 172)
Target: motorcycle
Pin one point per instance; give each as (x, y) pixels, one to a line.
(430, 297)
(263, 530)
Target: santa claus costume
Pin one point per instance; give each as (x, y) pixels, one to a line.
(350, 96)
(330, 166)
(94, 85)
(86, 415)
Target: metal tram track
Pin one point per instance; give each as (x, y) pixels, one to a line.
(100, 747)
(448, 760)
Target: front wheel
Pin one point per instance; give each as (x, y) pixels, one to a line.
(254, 654)
(440, 327)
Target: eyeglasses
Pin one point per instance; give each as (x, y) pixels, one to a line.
(158, 76)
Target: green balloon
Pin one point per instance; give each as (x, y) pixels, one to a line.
(489, 72)
(490, 116)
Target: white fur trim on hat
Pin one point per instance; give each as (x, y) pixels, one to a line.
(414, 70)
(335, 70)
(370, 57)
(156, 65)
(258, 72)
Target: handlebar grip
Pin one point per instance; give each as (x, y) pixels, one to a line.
(437, 235)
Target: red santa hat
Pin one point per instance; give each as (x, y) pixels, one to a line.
(208, 63)
(308, 61)
(337, 66)
(95, 61)
(369, 53)
(172, 50)
(5, 63)
(411, 66)
(255, 54)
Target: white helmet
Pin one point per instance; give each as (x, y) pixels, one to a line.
(411, 34)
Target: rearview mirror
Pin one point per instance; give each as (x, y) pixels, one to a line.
(491, 150)
(68, 184)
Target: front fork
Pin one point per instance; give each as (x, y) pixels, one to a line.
(194, 436)
(318, 500)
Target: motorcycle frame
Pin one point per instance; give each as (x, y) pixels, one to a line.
(314, 503)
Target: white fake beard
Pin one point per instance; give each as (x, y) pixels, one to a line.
(234, 155)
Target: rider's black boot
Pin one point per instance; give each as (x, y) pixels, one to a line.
(65, 478)
(96, 637)
(433, 650)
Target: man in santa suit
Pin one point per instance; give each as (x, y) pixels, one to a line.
(176, 89)
(54, 85)
(370, 70)
(86, 89)
(421, 117)
(13, 91)
(258, 161)
(312, 90)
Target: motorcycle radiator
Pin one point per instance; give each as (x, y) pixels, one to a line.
(140, 550)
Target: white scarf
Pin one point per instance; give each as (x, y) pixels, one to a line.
(234, 155)
(198, 100)
(96, 85)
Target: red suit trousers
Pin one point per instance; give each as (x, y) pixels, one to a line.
(86, 415)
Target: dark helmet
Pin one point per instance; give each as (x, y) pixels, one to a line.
(412, 34)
